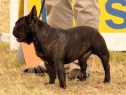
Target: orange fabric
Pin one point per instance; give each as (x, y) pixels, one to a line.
(31, 58)
(93, 62)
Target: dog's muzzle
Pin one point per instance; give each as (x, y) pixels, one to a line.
(19, 36)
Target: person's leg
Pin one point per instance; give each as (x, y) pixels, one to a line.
(59, 13)
(86, 13)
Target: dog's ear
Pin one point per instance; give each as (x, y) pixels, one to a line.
(32, 14)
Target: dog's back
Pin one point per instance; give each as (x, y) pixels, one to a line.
(74, 42)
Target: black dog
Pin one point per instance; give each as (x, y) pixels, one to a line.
(58, 47)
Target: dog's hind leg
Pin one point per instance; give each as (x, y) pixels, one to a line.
(102, 52)
(99, 48)
(51, 72)
(105, 62)
(82, 62)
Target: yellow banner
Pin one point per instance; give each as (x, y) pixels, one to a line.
(112, 16)
(31, 3)
(21, 8)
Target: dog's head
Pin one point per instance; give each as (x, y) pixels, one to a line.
(24, 27)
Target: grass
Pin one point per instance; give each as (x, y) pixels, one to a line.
(14, 82)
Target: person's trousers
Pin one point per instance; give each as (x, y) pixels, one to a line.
(60, 14)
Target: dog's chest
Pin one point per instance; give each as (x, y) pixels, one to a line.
(45, 51)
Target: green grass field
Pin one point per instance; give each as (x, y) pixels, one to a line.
(14, 82)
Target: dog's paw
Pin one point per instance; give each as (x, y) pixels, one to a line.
(82, 78)
(63, 86)
(106, 81)
(48, 83)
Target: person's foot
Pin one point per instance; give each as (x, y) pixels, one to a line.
(38, 70)
(75, 74)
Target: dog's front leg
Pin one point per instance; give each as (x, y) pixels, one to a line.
(83, 66)
(51, 72)
(61, 74)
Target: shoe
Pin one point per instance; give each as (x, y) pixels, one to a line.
(76, 74)
(38, 70)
